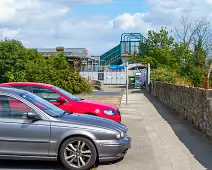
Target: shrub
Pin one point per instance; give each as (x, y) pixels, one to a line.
(181, 81)
(168, 76)
(163, 75)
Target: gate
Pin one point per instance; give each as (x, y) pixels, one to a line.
(106, 74)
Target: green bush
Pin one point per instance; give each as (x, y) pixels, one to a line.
(19, 64)
(163, 75)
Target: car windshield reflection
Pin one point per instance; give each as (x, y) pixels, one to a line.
(67, 94)
(44, 105)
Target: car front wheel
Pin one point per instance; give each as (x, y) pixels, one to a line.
(78, 153)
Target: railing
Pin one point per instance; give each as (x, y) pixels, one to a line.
(111, 54)
(116, 61)
(129, 46)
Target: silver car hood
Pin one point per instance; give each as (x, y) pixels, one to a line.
(93, 121)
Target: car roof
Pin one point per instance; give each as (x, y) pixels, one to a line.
(25, 84)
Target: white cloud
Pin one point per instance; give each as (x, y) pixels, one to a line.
(50, 23)
(9, 33)
(168, 11)
(136, 22)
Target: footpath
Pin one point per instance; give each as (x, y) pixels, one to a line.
(161, 141)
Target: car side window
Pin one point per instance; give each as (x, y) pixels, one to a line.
(13, 108)
(21, 88)
(46, 94)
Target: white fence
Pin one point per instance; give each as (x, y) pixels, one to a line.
(105, 75)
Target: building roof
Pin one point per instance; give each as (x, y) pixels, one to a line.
(70, 52)
(73, 50)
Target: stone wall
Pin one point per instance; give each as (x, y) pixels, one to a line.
(193, 104)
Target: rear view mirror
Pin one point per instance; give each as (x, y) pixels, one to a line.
(32, 116)
(61, 100)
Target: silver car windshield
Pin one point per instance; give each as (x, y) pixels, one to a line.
(44, 105)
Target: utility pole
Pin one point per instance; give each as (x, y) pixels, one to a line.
(127, 82)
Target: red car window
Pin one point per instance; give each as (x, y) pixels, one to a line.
(46, 94)
(13, 108)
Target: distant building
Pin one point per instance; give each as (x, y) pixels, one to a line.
(69, 52)
(79, 56)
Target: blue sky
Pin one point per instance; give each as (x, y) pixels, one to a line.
(111, 10)
(92, 24)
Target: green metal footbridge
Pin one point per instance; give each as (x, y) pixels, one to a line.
(129, 44)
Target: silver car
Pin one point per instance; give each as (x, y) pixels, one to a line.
(32, 128)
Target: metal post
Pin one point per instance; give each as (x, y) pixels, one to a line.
(148, 78)
(126, 82)
(92, 68)
(149, 75)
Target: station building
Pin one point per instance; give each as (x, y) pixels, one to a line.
(75, 56)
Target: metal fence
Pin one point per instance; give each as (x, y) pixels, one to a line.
(105, 75)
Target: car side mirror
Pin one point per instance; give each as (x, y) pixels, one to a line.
(33, 116)
(61, 100)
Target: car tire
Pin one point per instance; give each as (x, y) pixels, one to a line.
(78, 153)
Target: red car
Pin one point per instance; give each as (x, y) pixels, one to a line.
(67, 101)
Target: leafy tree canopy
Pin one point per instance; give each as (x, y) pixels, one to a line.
(19, 64)
(161, 51)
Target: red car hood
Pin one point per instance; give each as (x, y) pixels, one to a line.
(98, 104)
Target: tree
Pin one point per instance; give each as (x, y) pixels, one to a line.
(190, 32)
(196, 35)
(162, 52)
(158, 50)
(20, 64)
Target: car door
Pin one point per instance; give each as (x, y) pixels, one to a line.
(19, 135)
(52, 97)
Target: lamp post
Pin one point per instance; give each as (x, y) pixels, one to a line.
(126, 65)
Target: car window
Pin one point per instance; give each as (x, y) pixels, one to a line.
(13, 108)
(72, 97)
(46, 94)
(44, 105)
(21, 87)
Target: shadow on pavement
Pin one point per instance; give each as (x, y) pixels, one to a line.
(39, 165)
(198, 144)
(110, 163)
(30, 165)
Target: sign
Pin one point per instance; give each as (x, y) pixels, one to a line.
(138, 73)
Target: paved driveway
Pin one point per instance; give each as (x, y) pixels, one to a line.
(161, 141)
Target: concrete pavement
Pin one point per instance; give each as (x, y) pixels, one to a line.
(161, 141)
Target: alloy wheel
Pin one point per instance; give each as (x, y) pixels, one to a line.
(77, 153)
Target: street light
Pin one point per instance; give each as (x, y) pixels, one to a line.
(126, 65)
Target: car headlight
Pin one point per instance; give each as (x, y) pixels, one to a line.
(118, 135)
(122, 135)
(110, 112)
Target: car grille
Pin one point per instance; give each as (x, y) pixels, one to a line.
(117, 111)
